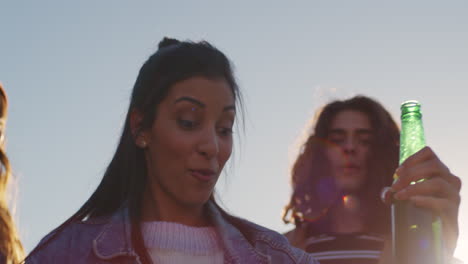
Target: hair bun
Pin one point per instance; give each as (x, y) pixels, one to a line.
(166, 42)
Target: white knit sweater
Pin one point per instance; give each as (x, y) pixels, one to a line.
(173, 243)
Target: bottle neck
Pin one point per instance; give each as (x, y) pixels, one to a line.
(412, 137)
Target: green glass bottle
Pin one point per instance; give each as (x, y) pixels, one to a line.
(416, 232)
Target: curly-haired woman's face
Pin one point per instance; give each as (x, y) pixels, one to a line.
(351, 135)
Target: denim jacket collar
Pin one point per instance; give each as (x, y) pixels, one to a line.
(237, 248)
(115, 239)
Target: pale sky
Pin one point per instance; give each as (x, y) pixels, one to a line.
(69, 66)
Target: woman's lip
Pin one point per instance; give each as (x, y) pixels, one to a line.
(351, 166)
(350, 169)
(202, 175)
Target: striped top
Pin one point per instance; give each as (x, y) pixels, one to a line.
(356, 248)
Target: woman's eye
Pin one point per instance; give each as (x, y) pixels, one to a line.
(186, 124)
(225, 131)
(365, 141)
(337, 141)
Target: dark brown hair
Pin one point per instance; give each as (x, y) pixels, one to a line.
(125, 179)
(314, 192)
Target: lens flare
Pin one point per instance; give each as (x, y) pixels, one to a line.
(350, 202)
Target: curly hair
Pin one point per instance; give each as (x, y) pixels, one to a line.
(314, 191)
(10, 246)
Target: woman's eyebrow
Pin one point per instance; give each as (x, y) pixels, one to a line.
(189, 99)
(197, 102)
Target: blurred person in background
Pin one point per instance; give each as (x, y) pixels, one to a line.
(11, 250)
(348, 158)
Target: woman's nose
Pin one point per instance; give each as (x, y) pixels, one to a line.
(349, 147)
(209, 145)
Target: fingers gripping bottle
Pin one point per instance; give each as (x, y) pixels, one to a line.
(416, 232)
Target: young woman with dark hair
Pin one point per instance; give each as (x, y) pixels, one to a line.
(155, 203)
(349, 157)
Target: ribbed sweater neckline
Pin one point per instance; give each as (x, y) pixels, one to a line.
(179, 237)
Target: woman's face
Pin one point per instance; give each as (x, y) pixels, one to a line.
(190, 141)
(351, 136)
